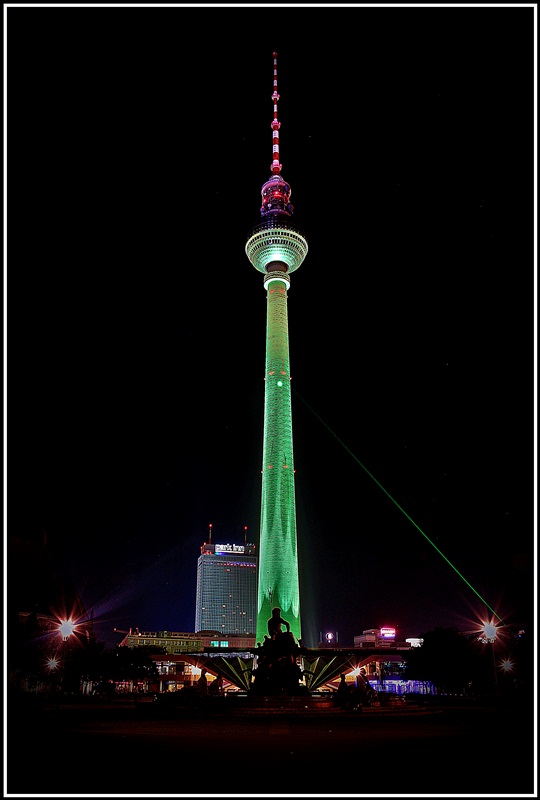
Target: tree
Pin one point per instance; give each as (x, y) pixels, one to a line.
(446, 658)
(128, 664)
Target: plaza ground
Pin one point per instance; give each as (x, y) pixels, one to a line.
(75, 748)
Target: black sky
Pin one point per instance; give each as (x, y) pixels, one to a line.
(138, 139)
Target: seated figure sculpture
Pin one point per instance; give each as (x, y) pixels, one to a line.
(275, 622)
(277, 671)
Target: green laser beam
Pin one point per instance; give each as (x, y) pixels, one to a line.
(373, 478)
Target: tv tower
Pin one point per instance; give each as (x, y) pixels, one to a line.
(276, 248)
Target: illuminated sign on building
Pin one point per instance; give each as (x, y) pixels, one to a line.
(229, 548)
(388, 633)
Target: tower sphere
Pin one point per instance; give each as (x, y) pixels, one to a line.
(275, 241)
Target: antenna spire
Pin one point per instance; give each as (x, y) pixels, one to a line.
(276, 125)
(276, 192)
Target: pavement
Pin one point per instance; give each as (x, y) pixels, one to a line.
(148, 749)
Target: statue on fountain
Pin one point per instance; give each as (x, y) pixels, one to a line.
(277, 672)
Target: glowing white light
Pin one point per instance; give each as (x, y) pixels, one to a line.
(490, 631)
(66, 628)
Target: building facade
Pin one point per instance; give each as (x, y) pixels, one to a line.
(384, 637)
(177, 642)
(226, 598)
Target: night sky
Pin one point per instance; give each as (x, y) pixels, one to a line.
(138, 140)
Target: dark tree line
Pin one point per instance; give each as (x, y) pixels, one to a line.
(467, 665)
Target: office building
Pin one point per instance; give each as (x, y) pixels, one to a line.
(226, 599)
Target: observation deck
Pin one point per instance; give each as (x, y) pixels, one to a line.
(276, 241)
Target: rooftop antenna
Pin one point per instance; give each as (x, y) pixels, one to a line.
(210, 534)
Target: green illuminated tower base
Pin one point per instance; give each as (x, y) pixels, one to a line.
(278, 558)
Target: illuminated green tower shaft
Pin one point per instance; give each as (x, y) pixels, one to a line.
(276, 248)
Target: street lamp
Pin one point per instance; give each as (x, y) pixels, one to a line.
(507, 665)
(489, 636)
(52, 663)
(66, 628)
(489, 629)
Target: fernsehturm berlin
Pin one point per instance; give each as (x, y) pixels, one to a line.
(276, 248)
